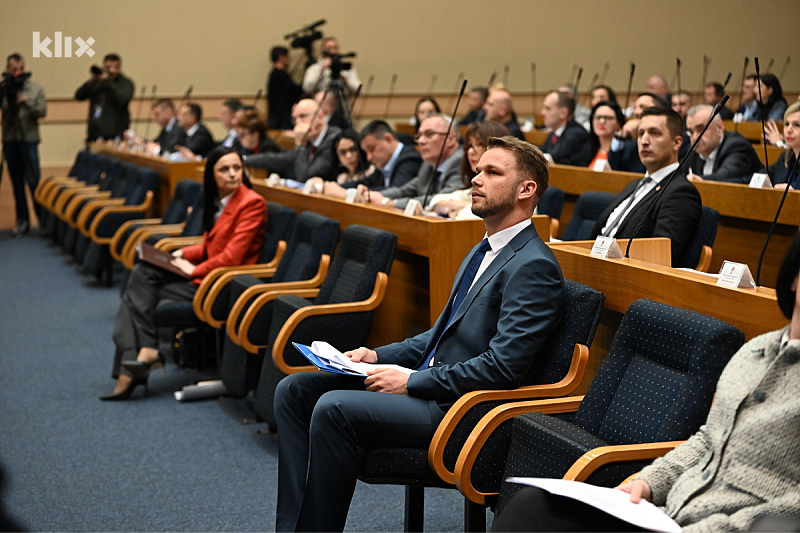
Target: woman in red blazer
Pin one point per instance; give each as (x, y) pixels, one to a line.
(234, 220)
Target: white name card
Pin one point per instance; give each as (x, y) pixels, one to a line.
(351, 195)
(735, 276)
(548, 158)
(601, 165)
(413, 207)
(606, 248)
(273, 179)
(760, 181)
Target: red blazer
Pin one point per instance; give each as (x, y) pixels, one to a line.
(236, 237)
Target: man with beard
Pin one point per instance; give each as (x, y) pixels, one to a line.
(506, 300)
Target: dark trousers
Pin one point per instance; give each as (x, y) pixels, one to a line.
(23, 166)
(534, 509)
(135, 326)
(322, 419)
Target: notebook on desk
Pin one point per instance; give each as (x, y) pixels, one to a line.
(152, 255)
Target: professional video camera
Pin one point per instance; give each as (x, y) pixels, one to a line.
(304, 38)
(337, 65)
(12, 85)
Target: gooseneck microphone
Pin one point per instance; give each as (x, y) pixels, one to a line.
(602, 78)
(150, 116)
(785, 66)
(725, 83)
(367, 92)
(432, 84)
(577, 82)
(775, 222)
(533, 94)
(390, 96)
(257, 98)
(459, 79)
(431, 183)
(630, 83)
(741, 82)
(665, 183)
(706, 64)
(506, 70)
(678, 71)
(138, 116)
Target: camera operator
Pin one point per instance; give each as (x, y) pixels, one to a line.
(23, 105)
(109, 93)
(318, 76)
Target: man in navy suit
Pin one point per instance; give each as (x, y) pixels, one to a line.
(566, 140)
(198, 140)
(487, 337)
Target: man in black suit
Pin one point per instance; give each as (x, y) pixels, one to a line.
(500, 108)
(720, 155)
(282, 91)
(677, 208)
(198, 139)
(506, 300)
(475, 100)
(171, 133)
(566, 140)
(312, 155)
(712, 94)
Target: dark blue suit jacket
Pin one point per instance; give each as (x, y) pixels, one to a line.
(498, 330)
(570, 146)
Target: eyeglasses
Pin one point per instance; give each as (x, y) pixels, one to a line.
(604, 118)
(428, 134)
(475, 146)
(344, 151)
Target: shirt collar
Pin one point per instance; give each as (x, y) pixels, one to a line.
(191, 131)
(560, 130)
(713, 155)
(446, 162)
(392, 160)
(499, 240)
(662, 173)
(171, 124)
(321, 137)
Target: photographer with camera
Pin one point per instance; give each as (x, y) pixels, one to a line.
(23, 104)
(109, 93)
(331, 67)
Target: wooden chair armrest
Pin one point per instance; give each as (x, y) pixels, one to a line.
(373, 301)
(72, 201)
(259, 271)
(554, 225)
(44, 190)
(122, 230)
(173, 243)
(705, 259)
(490, 422)
(142, 208)
(279, 251)
(129, 249)
(594, 459)
(466, 403)
(242, 338)
(93, 206)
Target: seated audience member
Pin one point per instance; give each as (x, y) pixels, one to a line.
(433, 139)
(658, 85)
(677, 211)
(351, 160)
(475, 100)
(323, 418)
(643, 101)
(567, 139)
(622, 154)
(393, 163)
(318, 76)
(424, 108)
(234, 220)
(786, 164)
(720, 155)
(712, 94)
(581, 114)
(742, 466)
(171, 133)
(282, 91)
(681, 102)
(500, 108)
(603, 93)
(252, 134)
(458, 204)
(773, 104)
(313, 151)
(199, 141)
(330, 108)
(227, 117)
(748, 110)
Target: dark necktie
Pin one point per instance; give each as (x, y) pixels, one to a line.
(555, 138)
(622, 214)
(463, 288)
(313, 153)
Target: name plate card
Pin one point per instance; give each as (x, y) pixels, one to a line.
(735, 276)
(274, 179)
(351, 195)
(760, 181)
(413, 207)
(601, 165)
(606, 248)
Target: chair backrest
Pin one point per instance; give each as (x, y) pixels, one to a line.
(552, 202)
(141, 180)
(588, 208)
(659, 377)
(194, 220)
(185, 194)
(363, 252)
(82, 160)
(280, 220)
(313, 235)
(704, 235)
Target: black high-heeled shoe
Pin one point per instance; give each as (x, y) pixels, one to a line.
(142, 369)
(125, 393)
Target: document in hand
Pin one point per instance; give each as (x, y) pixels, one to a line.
(150, 254)
(325, 357)
(612, 501)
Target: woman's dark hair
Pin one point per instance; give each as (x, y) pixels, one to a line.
(594, 140)
(612, 96)
(771, 81)
(481, 130)
(362, 157)
(787, 276)
(210, 191)
(423, 100)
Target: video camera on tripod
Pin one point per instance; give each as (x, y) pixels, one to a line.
(337, 65)
(304, 38)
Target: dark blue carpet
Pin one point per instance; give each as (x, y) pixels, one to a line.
(73, 463)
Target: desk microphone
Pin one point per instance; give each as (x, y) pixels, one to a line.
(389, 98)
(741, 82)
(577, 82)
(785, 66)
(533, 94)
(630, 83)
(725, 83)
(665, 183)
(257, 98)
(706, 64)
(602, 78)
(506, 69)
(348, 109)
(367, 92)
(150, 118)
(678, 71)
(769, 65)
(184, 98)
(459, 79)
(441, 151)
(138, 116)
(432, 84)
(491, 80)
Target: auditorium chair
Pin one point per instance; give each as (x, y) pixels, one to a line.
(557, 371)
(552, 204)
(655, 385)
(339, 312)
(74, 178)
(304, 265)
(698, 253)
(588, 208)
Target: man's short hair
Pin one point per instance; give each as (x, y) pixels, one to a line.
(13, 57)
(531, 163)
(447, 120)
(277, 52)
(612, 96)
(111, 57)
(163, 102)
(718, 88)
(659, 102)
(753, 77)
(484, 92)
(566, 101)
(703, 107)
(376, 128)
(195, 110)
(234, 104)
(674, 120)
